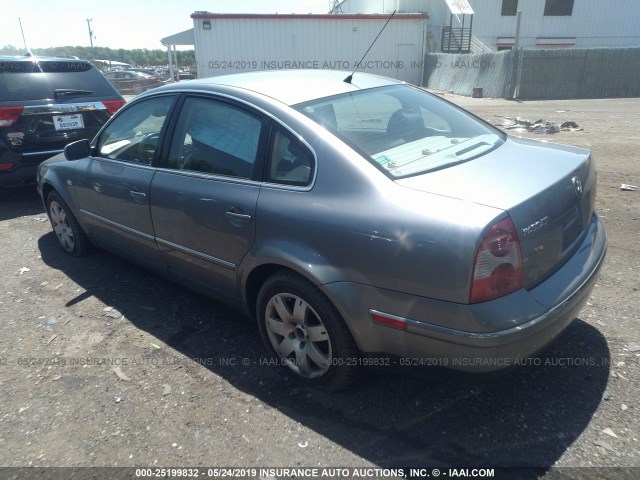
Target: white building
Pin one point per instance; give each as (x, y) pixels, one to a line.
(234, 43)
(544, 23)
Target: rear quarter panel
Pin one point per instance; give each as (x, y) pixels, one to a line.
(356, 225)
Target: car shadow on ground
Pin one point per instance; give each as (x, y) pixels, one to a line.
(430, 418)
(19, 203)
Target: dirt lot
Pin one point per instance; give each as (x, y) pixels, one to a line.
(105, 364)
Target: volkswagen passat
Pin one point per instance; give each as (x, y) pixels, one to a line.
(350, 217)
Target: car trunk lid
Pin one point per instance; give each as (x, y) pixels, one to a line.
(548, 191)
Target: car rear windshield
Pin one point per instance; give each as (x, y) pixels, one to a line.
(403, 130)
(37, 80)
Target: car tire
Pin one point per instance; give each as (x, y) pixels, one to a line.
(67, 229)
(305, 333)
(137, 88)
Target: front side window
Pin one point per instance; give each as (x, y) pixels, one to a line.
(215, 137)
(404, 131)
(134, 135)
(556, 8)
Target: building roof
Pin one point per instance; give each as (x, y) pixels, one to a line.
(339, 16)
(183, 38)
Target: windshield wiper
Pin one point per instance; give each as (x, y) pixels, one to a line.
(471, 148)
(63, 92)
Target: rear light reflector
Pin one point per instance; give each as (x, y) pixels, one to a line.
(113, 106)
(6, 166)
(388, 320)
(497, 269)
(9, 116)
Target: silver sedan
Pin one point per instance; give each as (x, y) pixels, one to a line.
(357, 220)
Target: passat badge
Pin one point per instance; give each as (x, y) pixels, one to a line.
(535, 226)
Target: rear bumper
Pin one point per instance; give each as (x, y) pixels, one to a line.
(481, 337)
(21, 176)
(25, 168)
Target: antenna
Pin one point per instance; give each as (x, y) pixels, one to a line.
(23, 39)
(350, 77)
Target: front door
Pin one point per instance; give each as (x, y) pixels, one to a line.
(113, 185)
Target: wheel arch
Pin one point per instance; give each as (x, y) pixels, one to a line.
(256, 277)
(47, 188)
(270, 256)
(56, 179)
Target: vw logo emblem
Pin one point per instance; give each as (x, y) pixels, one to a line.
(577, 186)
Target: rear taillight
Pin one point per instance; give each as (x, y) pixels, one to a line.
(9, 116)
(113, 106)
(5, 166)
(497, 268)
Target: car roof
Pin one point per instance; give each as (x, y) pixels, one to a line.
(294, 86)
(35, 58)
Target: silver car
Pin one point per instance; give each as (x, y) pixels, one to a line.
(357, 220)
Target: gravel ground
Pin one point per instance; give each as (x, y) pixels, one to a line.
(105, 364)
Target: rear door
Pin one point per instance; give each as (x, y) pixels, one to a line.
(203, 202)
(112, 187)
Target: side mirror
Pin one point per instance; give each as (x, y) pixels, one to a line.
(77, 150)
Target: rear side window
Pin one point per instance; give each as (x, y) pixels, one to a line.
(290, 162)
(27, 80)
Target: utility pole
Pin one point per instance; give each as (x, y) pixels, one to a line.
(517, 59)
(89, 20)
(516, 40)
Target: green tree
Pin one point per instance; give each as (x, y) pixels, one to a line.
(135, 57)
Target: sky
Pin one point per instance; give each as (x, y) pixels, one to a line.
(122, 23)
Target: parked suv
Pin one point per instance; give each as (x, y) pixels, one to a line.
(46, 103)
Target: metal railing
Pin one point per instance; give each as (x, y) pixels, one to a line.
(478, 45)
(456, 40)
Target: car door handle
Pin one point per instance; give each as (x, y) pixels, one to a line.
(137, 195)
(236, 216)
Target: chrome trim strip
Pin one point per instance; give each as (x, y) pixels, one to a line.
(151, 238)
(42, 152)
(123, 163)
(133, 231)
(295, 188)
(195, 253)
(63, 108)
(209, 176)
